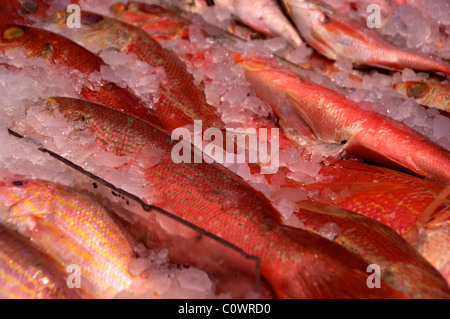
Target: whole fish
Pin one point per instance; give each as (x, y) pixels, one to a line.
(296, 263)
(73, 229)
(180, 101)
(323, 114)
(334, 35)
(263, 15)
(26, 273)
(428, 93)
(59, 50)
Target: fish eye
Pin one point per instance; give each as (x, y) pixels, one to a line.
(417, 89)
(18, 183)
(13, 33)
(149, 8)
(324, 19)
(90, 18)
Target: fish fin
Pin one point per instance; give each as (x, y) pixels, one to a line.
(294, 116)
(442, 199)
(324, 209)
(379, 158)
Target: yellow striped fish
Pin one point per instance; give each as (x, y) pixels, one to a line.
(74, 230)
(25, 273)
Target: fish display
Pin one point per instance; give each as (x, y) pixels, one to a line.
(361, 166)
(275, 244)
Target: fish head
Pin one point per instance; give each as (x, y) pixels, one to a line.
(75, 111)
(308, 15)
(315, 21)
(22, 201)
(157, 21)
(106, 32)
(13, 191)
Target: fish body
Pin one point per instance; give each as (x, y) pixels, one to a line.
(180, 101)
(159, 22)
(72, 229)
(264, 15)
(334, 35)
(9, 16)
(58, 50)
(25, 273)
(428, 93)
(296, 263)
(318, 112)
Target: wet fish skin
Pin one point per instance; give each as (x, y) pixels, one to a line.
(180, 101)
(401, 265)
(296, 264)
(428, 93)
(71, 228)
(158, 22)
(262, 15)
(330, 117)
(334, 35)
(26, 273)
(58, 50)
(10, 16)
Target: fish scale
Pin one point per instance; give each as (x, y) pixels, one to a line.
(401, 265)
(28, 274)
(296, 263)
(73, 229)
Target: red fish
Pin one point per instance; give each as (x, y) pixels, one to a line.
(25, 273)
(323, 114)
